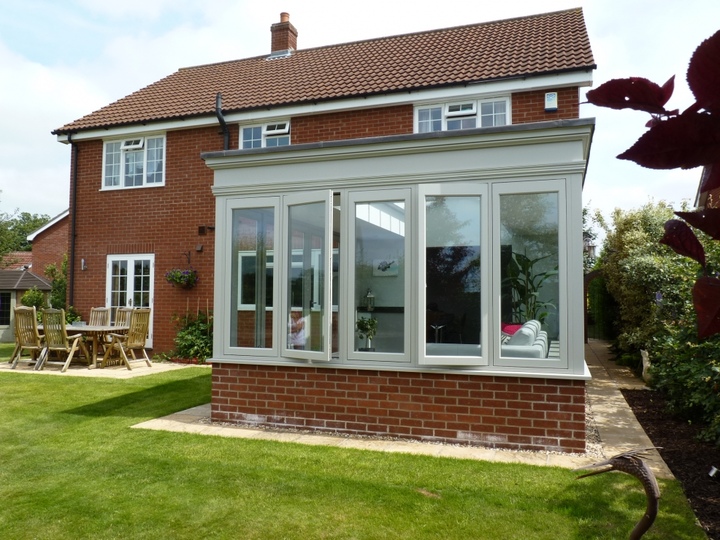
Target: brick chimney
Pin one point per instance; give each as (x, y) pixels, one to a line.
(284, 35)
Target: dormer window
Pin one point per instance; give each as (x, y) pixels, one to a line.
(462, 115)
(266, 135)
(136, 162)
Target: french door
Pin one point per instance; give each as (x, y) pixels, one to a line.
(130, 283)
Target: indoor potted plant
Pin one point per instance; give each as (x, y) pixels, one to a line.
(185, 279)
(366, 329)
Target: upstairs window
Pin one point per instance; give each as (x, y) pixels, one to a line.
(462, 115)
(134, 162)
(266, 136)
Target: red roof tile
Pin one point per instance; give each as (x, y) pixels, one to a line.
(534, 45)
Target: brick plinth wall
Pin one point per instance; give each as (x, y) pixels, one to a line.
(499, 412)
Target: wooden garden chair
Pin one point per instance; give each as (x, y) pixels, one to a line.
(58, 341)
(132, 341)
(99, 316)
(122, 316)
(27, 336)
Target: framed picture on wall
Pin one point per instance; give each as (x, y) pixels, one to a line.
(385, 267)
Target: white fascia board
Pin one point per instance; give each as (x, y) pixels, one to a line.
(53, 221)
(478, 90)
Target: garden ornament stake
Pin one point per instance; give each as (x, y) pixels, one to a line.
(630, 463)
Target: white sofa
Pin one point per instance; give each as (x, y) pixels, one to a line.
(530, 341)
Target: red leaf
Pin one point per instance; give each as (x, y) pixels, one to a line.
(685, 141)
(632, 93)
(682, 240)
(707, 220)
(703, 74)
(710, 178)
(706, 298)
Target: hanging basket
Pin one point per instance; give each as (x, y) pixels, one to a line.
(185, 279)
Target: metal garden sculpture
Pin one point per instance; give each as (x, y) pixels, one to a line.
(630, 463)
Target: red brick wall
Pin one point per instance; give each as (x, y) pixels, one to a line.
(163, 221)
(50, 246)
(377, 122)
(530, 106)
(500, 412)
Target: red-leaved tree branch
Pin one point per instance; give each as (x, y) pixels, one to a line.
(681, 140)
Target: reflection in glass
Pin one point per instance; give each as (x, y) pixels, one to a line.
(306, 274)
(251, 315)
(380, 268)
(452, 275)
(529, 259)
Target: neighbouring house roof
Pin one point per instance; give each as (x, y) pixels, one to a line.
(16, 260)
(539, 44)
(21, 280)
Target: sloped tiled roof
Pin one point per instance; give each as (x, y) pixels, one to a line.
(21, 280)
(16, 260)
(534, 45)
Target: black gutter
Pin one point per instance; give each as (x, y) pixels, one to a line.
(221, 119)
(73, 220)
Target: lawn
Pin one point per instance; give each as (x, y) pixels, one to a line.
(73, 468)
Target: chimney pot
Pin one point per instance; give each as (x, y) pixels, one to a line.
(284, 17)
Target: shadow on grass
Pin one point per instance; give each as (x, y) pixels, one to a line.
(154, 401)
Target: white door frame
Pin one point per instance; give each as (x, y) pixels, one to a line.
(131, 290)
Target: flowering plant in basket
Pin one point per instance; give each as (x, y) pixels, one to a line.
(186, 279)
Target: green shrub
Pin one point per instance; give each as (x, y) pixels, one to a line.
(34, 297)
(58, 278)
(687, 371)
(194, 336)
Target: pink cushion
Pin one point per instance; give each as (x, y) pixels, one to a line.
(510, 329)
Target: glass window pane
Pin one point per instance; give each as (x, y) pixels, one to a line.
(306, 274)
(429, 119)
(461, 123)
(380, 274)
(134, 168)
(452, 264)
(251, 312)
(119, 284)
(112, 164)
(493, 114)
(141, 283)
(154, 160)
(252, 137)
(529, 259)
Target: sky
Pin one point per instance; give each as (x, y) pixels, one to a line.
(60, 60)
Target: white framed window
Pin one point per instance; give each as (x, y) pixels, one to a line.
(530, 274)
(265, 135)
(462, 115)
(453, 232)
(441, 267)
(379, 226)
(136, 162)
(493, 113)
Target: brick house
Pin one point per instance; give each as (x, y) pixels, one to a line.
(50, 243)
(429, 183)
